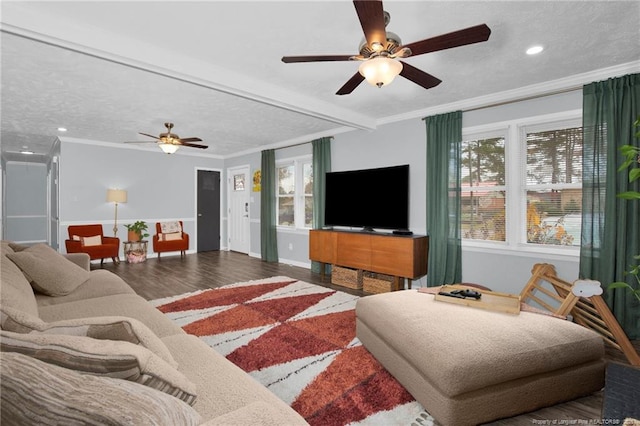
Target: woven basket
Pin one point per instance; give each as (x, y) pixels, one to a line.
(346, 277)
(377, 283)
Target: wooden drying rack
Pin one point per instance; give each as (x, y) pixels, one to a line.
(591, 312)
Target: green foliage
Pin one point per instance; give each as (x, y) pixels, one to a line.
(632, 157)
(138, 227)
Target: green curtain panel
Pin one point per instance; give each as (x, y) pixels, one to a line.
(444, 139)
(321, 165)
(610, 225)
(268, 232)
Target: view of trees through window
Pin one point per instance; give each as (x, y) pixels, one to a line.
(483, 195)
(554, 186)
(548, 185)
(295, 194)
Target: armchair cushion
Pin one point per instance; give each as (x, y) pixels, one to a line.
(172, 236)
(50, 272)
(170, 227)
(96, 240)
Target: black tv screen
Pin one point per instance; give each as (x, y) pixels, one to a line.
(370, 198)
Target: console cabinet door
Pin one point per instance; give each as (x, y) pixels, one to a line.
(354, 250)
(322, 246)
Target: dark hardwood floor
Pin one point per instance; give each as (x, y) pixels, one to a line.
(173, 275)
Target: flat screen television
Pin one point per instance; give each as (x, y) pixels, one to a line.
(368, 199)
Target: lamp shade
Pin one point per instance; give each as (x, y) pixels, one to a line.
(116, 196)
(380, 71)
(169, 148)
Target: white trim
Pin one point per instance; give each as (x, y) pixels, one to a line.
(514, 132)
(574, 82)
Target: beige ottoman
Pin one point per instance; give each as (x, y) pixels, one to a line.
(468, 366)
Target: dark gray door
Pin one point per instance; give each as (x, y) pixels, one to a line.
(208, 210)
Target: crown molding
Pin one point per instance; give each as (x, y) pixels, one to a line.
(548, 88)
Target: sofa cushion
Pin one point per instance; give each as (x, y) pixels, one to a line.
(100, 283)
(15, 290)
(64, 396)
(125, 305)
(102, 328)
(109, 358)
(217, 379)
(51, 273)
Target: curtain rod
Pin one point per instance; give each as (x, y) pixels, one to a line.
(298, 144)
(525, 98)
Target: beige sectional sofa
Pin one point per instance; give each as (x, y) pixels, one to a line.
(94, 350)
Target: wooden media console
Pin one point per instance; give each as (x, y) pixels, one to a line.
(402, 256)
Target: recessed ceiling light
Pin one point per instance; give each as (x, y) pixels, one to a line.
(534, 50)
(62, 129)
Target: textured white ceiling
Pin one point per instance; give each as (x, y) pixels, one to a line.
(107, 70)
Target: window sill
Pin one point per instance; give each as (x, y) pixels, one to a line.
(291, 230)
(551, 253)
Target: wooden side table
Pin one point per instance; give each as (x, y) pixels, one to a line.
(135, 251)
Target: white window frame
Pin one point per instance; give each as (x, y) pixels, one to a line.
(514, 132)
(298, 195)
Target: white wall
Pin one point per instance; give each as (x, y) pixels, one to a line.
(159, 187)
(404, 142)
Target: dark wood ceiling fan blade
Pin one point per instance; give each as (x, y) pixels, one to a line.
(190, 140)
(194, 145)
(350, 85)
(315, 58)
(463, 37)
(371, 16)
(418, 76)
(151, 136)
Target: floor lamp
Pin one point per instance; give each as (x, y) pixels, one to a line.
(116, 196)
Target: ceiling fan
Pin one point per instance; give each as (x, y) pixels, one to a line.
(170, 142)
(381, 50)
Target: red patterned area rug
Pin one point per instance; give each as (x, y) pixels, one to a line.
(298, 340)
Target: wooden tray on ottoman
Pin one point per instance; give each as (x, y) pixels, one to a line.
(490, 300)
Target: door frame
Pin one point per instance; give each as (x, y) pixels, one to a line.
(249, 187)
(195, 203)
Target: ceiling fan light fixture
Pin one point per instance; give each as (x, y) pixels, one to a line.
(168, 148)
(380, 71)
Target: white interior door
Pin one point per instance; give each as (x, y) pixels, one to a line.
(239, 183)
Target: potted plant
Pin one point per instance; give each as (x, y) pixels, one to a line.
(632, 156)
(137, 230)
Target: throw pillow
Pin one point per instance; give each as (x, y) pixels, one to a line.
(17, 247)
(95, 240)
(103, 328)
(35, 392)
(170, 227)
(170, 236)
(49, 271)
(105, 358)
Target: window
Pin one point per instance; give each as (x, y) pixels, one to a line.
(554, 186)
(522, 185)
(295, 193)
(483, 195)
